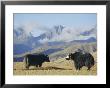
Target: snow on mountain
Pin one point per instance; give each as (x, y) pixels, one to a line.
(66, 34)
(56, 35)
(91, 39)
(89, 32)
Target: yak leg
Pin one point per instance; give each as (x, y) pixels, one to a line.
(79, 68)
(37, 66)
(89, 68)
(27, 66)
(76, 66)
(40, 65)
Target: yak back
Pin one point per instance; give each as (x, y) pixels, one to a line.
(37, 58)
(79, 57)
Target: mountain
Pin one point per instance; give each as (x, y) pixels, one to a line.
(87, 33)
(59, 29)
(59, 35)
(51, 34)
(50, 51)
(91, 39)
(88, 47)
(57, 53)
(20, 48)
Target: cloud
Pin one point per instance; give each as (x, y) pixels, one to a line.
(68, 34)
(32, 27)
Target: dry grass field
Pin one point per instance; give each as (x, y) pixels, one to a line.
(58, 67)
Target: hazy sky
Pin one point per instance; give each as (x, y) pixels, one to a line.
(31, 22)
(55, 19)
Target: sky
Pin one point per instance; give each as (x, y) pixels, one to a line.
(37, 21)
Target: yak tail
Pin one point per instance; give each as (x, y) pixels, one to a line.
(25, 61)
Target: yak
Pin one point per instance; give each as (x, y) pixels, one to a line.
(35, 60)
(81, 59)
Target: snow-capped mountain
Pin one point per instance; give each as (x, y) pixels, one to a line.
(89, 32)
(66, 34)
(57, 35)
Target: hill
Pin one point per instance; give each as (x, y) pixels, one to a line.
(57, 52)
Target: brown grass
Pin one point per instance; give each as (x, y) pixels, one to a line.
(58, 67)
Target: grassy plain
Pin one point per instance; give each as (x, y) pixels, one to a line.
(57, 67)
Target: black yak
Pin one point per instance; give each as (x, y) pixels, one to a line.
(81, 59)
(35, 60)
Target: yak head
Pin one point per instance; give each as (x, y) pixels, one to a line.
(69, 57)
(47, 58)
